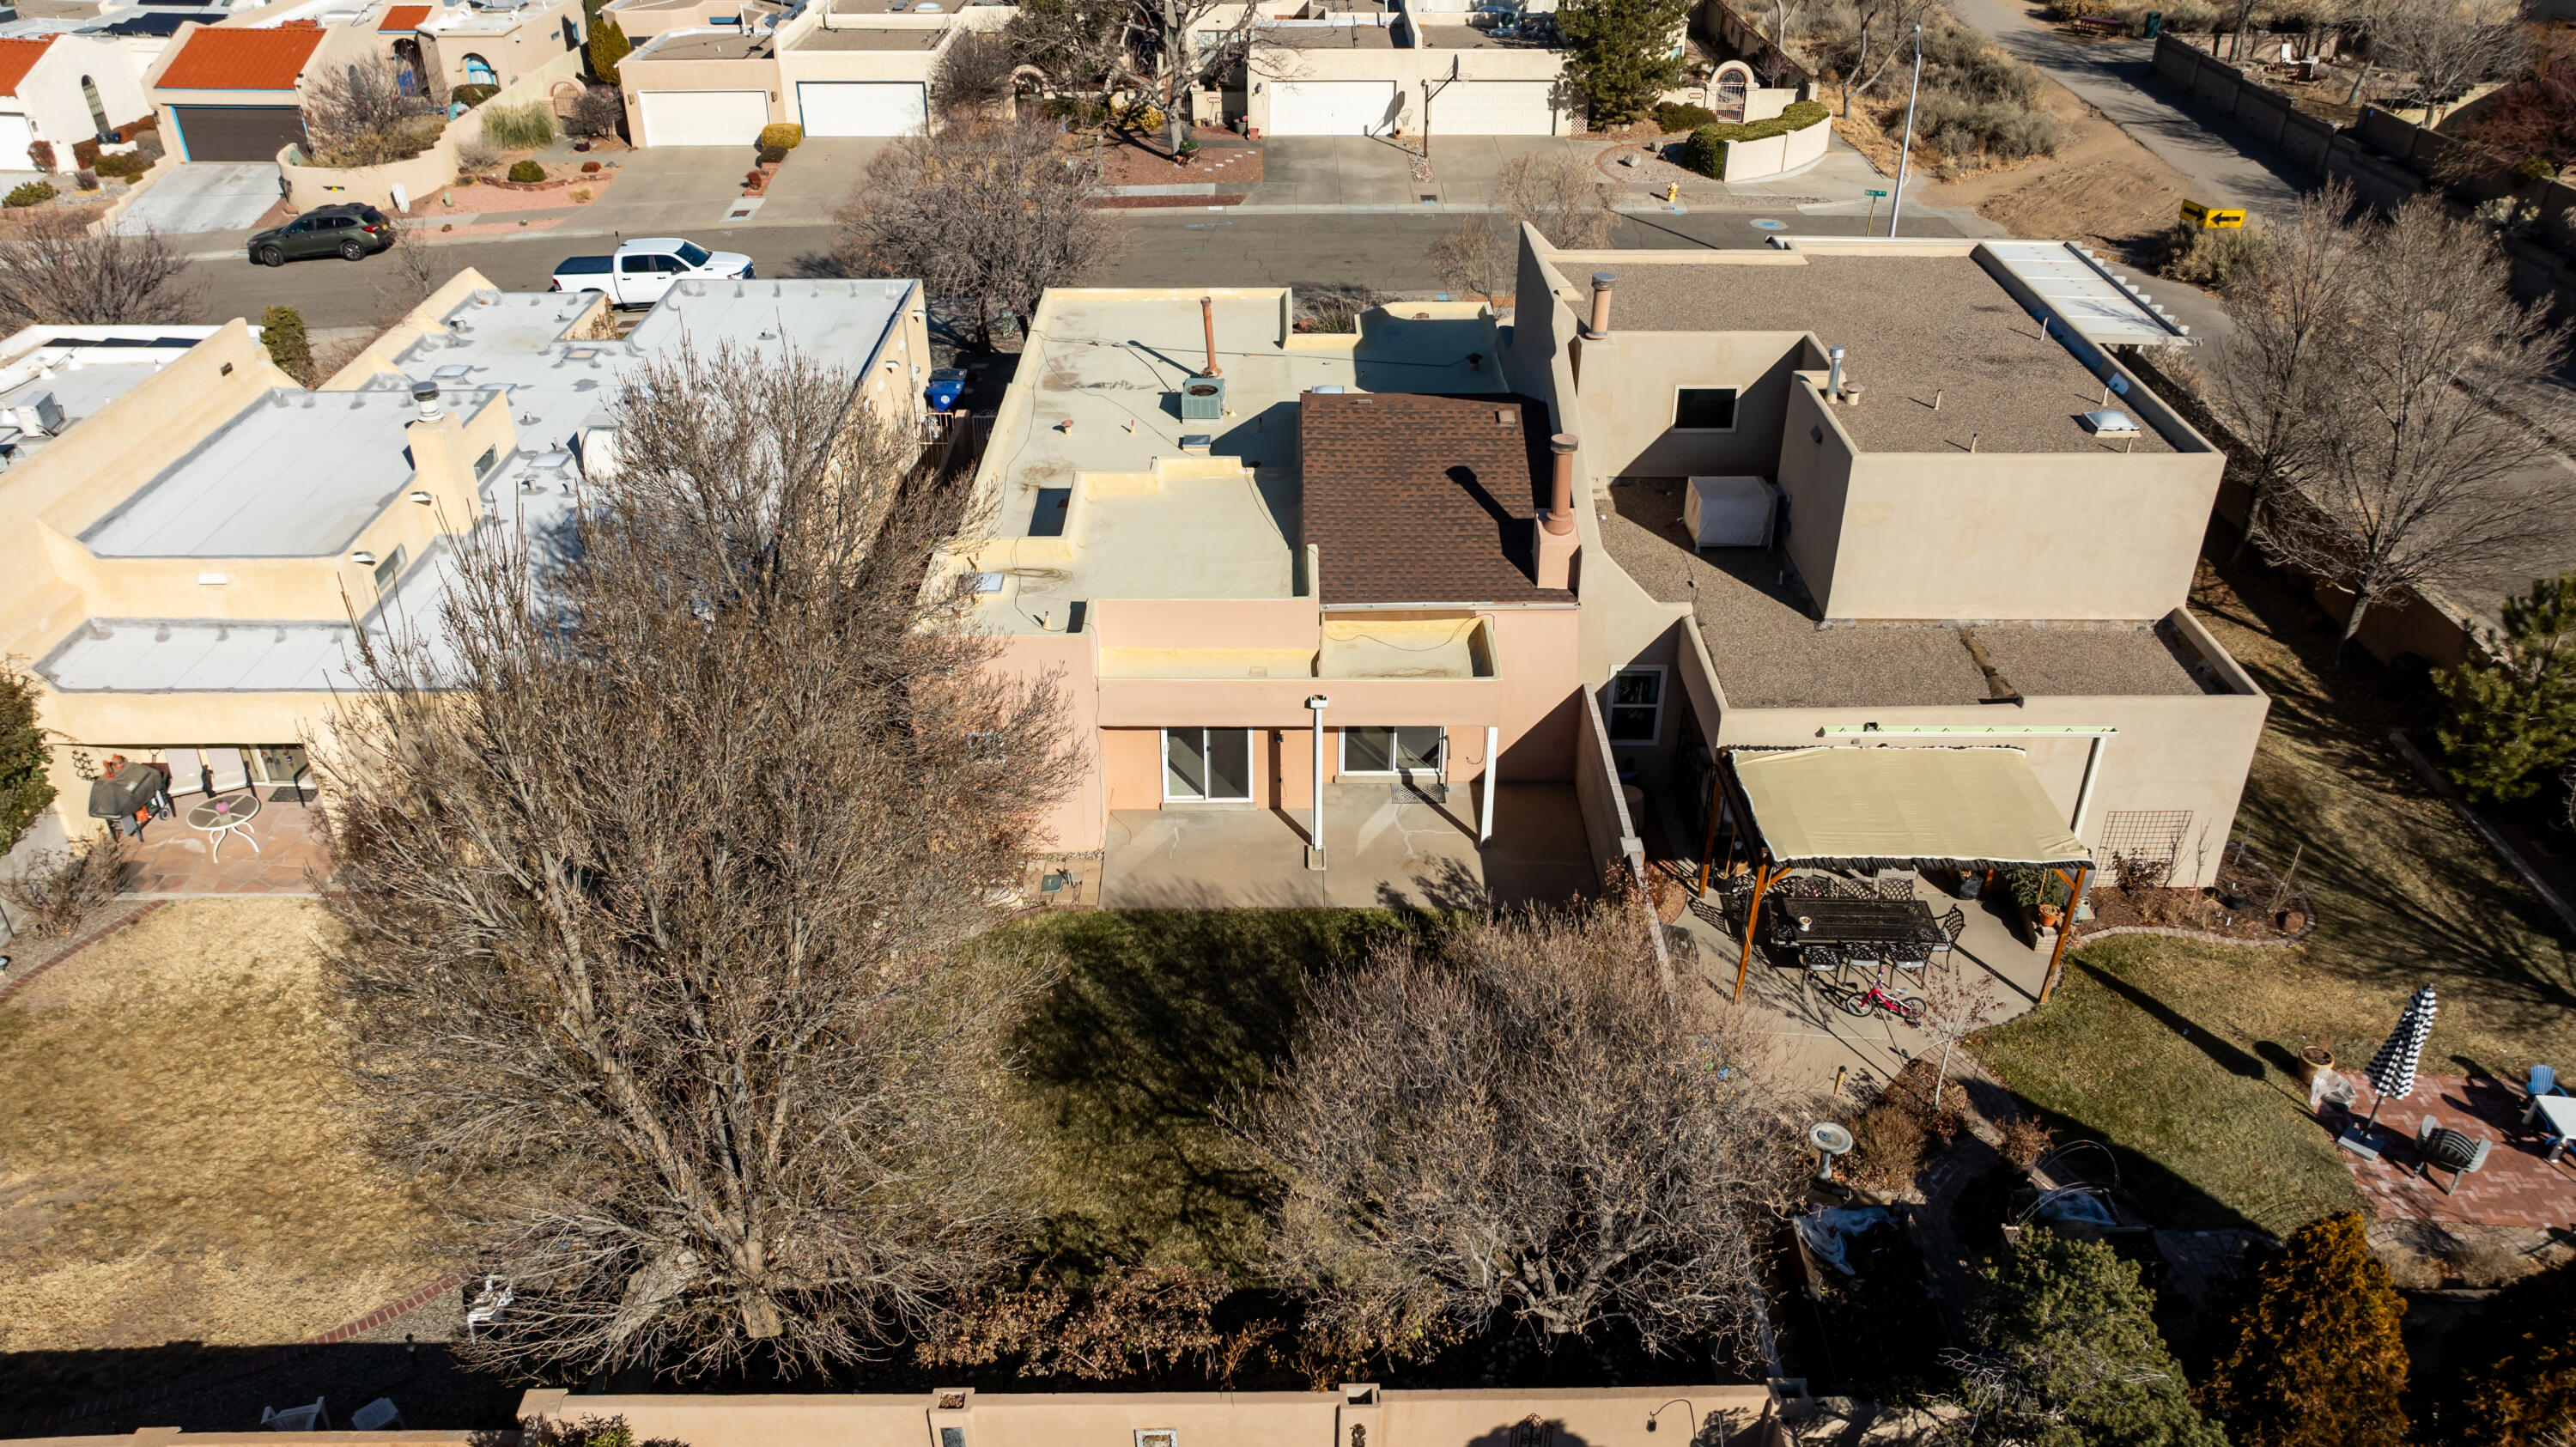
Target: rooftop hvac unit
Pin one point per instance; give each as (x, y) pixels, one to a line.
(1730, 512)
(1203, 399)
(39, 416)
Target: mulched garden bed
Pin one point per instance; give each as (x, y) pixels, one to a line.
(2251, 903)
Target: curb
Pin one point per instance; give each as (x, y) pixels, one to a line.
(217, 1376)
(84, 942)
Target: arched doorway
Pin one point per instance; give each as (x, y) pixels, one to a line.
(414, 71)
(1729, 89)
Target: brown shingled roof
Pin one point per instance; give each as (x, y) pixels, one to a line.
(1422, 499)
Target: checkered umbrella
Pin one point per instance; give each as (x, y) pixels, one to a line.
(2392, 1070)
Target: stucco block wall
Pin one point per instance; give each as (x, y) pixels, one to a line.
(1630, 382)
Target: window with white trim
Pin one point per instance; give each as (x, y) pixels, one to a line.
(1637, 704)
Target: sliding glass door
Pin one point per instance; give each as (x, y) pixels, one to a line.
(1214, 765)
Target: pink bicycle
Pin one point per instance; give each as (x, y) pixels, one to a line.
(1877, 997)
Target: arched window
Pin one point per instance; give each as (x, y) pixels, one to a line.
(478, 71)
(97, 109)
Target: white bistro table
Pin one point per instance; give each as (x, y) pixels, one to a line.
(226, 814)
(2560, 1111)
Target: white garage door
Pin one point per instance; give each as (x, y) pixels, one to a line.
(1331, 107)
(704, 117)
(862, 108)
(1495, 108)
(16, 135)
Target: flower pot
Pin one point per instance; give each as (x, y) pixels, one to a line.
(2311, 1060)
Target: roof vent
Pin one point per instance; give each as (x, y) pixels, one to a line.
(1197, 442)
(453, 372)
(1331, 390)
(2111, 421)
(425, 394)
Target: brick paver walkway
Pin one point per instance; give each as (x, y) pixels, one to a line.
(2514, 1188)
(172, 858)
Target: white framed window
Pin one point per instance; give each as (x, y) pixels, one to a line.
(1637, 704)
(1704, 409)
(1381, 749)
(1157, 1437)
(1207, 766)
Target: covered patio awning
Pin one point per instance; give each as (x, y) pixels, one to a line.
(1901, 808)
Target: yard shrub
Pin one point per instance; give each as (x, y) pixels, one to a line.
(2313, 1358)
(29, 193)
(2515, 1382)
(1676, 119)
(608, 45)
(527, 171)
(61, 887)
(2187, 251)
(1705, 151)
(781, 136)
(772, 155)
(42, 153)
(1894, 1133)
(2069, 1355)
(519, 127)
(124, 165)
(473, 153)
(2513, 700)
(24, 788)
(470, 96)
(281, 330)
(590, 168)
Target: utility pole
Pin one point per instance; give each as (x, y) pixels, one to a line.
(1905, 149)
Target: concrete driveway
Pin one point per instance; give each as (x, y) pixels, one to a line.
(203, 196)
(817, 178)
(671, 190)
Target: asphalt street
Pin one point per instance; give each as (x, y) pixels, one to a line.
(1387, 251)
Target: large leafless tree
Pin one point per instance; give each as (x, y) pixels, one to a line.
(657, 864)
(1160, 49)
(2292, 301)
(1519, 1128)
(2449, 45)
(55, 268)
(2411, 470)
(988, 213)
(361, 114)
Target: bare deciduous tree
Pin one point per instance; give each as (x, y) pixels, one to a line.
(1558, 193)
(2411, 471)
(989, 213)
(1882, 30)
(1519, 1127)
(2291, 299)
(361, 115)
(2450, 45)
(974, 74)
(657, 877)
(1476, 255)
(54, 268)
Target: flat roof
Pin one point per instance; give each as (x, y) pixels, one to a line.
(871, 37)
(706, 45)
(1327, 35)
(79, 391)
(1468, 37)
(1919, 330)
(295, 475)
(1762, 631)
(1096, 393)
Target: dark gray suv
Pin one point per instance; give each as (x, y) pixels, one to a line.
(351, 231)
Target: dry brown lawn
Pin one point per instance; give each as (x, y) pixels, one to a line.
(176, 1159)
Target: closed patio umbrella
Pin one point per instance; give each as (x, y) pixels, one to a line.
(2392, 1070)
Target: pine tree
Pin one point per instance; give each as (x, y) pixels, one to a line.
(608, 46)
(2067, 1354)
(2516, 1381)
(281, 330)
(2513, 701)
(2314, 1358)
(1622, 54)
(24, 788)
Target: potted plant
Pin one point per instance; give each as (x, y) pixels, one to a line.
(2317, 1056)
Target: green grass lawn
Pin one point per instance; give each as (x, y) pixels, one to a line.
(1160, 1015)
(2174, 1052)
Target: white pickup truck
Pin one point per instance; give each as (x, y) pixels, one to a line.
(640, 271)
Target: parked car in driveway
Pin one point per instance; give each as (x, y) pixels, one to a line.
(351, 231)
(640, 271)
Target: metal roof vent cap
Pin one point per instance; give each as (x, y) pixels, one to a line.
(425, 394)
(2110, 421)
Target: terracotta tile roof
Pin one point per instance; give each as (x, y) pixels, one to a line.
(403, 17)
(232, 58)
(17, 57)
(1421, 499)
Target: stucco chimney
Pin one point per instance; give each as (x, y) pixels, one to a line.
(1207, 324)
(1599, 327)
(1557, 539)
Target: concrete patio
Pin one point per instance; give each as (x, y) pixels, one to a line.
(1387, 846)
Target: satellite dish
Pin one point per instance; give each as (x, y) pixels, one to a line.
(1830, 1140)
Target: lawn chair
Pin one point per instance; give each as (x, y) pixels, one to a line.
(2544, 1081)
(377, 1416)
(225, 771)
(1820, 960)
(490, 1305)
(1910, 959)
(2455, 1151)
(296, 1419)
(1953, 925)
(187, 772)
(1868, 959)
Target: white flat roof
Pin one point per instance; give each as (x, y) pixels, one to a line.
(295, 475)
(2086, 295)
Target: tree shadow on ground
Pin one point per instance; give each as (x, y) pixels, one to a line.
(1160, 1016)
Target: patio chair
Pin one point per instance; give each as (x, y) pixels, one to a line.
(1909, 958)
(225, 771)
(1820, 960)
(377, 1416)
(1901, 887)
(2544, 1081)
(187, 772)
(1955, 923)
(296, 1419)
(2455, 1151)
(1866, 958)
(490, 1306)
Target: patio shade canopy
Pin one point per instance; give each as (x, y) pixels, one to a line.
(1903, 807)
